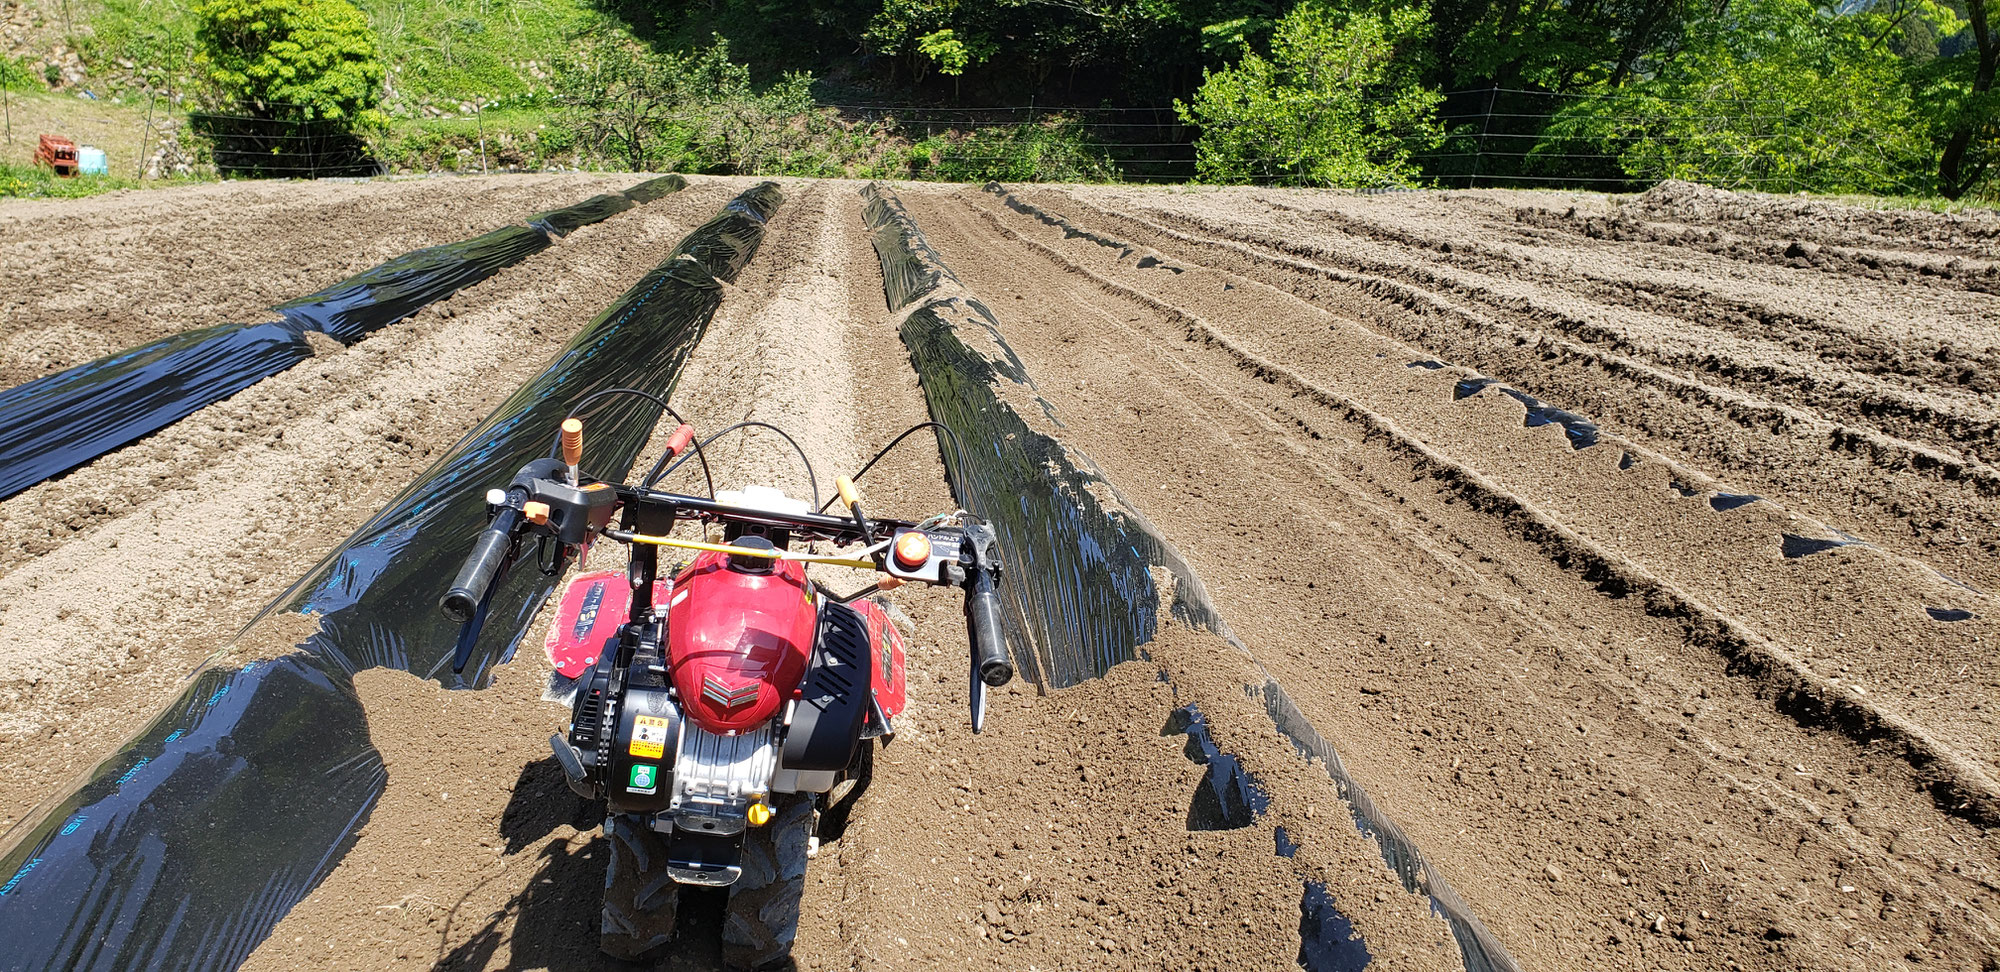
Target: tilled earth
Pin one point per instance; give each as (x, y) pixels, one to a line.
(1636, 719)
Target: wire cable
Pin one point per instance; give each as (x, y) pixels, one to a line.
(655, 399)
(957, 452)
(658, 473)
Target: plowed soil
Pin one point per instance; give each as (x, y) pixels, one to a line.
(1637, 720)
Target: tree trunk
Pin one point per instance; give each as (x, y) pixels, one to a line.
(1956, 174)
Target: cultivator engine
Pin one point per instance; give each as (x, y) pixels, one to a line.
(722, 707)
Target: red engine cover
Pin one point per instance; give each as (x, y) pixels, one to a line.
(738, 643)
(593, 608)
(887, 665)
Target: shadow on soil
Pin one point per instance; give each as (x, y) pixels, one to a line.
(554, 917)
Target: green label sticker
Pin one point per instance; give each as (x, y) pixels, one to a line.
(645, 779)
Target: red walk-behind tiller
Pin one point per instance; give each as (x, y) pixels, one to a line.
(725, 707)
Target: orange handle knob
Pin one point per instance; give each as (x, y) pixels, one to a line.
(572, 441)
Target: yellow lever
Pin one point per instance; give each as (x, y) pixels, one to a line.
(572, 441)
(849, 494)
(804, 558)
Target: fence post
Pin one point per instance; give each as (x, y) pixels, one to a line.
(1479, 154)
(139, 167)
(479, 113)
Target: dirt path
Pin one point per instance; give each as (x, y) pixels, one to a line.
(1591, 685)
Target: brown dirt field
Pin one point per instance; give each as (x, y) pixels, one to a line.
(1630, 731)
(90, 277)
(124, 574)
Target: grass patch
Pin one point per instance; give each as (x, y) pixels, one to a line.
(34, 182)
(440, 53)
(511, 140)
(117, 128)
(445, 53)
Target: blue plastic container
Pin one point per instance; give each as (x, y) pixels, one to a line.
(90, 160)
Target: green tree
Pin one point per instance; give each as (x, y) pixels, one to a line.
(1958, 96)
(312, 60)
(944, 49)
(1774, 95)
(1333, 105)
(14, 76)
(1565, 47)
(617, 97)
(695, 111)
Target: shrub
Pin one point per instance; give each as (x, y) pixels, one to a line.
(289, 85)
(693, 112)
(1053, 149)
(1334, 104)
(312, 60)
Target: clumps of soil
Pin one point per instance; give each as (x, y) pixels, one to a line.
(1065, 836)
(1975, 232)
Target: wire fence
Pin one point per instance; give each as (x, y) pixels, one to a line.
(1493, 137)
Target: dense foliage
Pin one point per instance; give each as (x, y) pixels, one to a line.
(1862, 95)
(694, 112)
(312, 60)
(1892, 96)
(1331, 106)
(1770, 95)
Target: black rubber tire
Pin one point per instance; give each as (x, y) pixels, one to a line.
(639, 898)
(837, 805)
(763, 915)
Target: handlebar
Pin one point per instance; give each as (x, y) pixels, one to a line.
(543, 498)
(489, 554)
(982, 629)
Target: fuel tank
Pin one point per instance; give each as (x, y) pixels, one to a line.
(738, 640)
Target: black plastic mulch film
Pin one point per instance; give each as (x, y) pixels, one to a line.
(64, 420)
(184, 849)
(60, 422)
(1083, 604)
(1079, 558)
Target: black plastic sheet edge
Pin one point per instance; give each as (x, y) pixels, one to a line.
(910, 268)
(961, 387)
(1231, 797)
(380, 296)
(391, 291)
(562, 222)
(65, 420)
(652, 189)
(726, 243)
(187, 847)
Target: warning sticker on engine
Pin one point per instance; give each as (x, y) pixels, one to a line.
(649, 737)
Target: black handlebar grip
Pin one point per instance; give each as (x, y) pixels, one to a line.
(489, 552)
(989, 640)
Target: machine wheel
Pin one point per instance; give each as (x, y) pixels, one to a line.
(639, 898)
(837, 805)
(764, 903)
